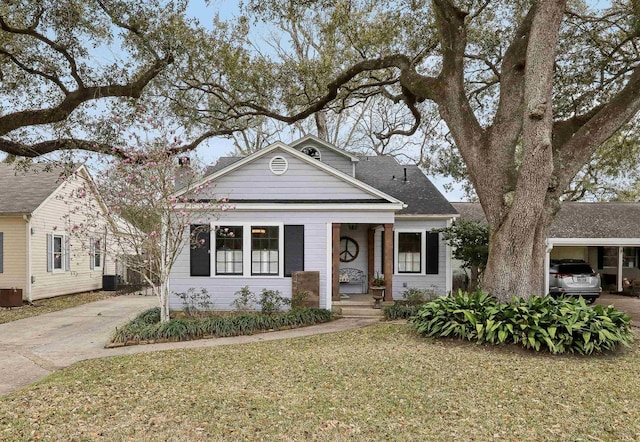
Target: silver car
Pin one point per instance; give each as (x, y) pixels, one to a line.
(573, 277)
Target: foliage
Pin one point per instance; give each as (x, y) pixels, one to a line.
(299, 299)
(271, 301)
(195, 303)
(147, 325)
(563, 325)
(378, 281)
(400, 311)
(469, 241)
(412, 299)
(150, 224)
(68, 63)
(245, 300)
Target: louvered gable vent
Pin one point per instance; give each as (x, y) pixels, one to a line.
(278, 165)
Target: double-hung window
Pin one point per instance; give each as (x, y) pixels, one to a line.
(96, 254)
(265, 250)
(409, 252)
(57, 252)
(229, 256)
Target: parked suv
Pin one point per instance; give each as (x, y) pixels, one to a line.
(574, 277)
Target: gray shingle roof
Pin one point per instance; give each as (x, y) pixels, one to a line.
(23, 191)
(420, 195)
(581, 220)
(418, 192)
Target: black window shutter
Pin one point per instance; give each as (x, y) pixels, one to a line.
(637, 258)
(433, 252)
(293, 249)
(600, 257)
(199, 246)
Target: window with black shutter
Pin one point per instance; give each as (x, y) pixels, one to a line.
(200, 246)
(293, 249)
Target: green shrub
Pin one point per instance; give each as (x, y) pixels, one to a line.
(150, 316)
(557, 325)
(272, 302)
(245, 300)
(219, 326)
(195, 303)
(400, 311)
(416, 296)
(298, 299)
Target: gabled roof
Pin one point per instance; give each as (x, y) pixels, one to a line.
(580, 220)
(23, 191)
(325, 144)
(227, 166)
(417, 192)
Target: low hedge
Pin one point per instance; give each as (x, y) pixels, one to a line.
(147, 326)
(400, 310)
(563, 325)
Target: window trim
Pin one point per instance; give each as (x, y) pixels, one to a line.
(97, 253)
(215, 251)
(246, 249)
(396, 249)
(53, 253)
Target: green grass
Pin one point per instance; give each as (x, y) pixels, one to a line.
(43, 306)
(377, 383)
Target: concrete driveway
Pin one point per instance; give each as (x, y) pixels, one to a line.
(32, 348)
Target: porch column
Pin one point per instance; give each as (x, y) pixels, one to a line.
(370, 256)
(547, 268)
(335, 261)
(620, 264)
(387, 265)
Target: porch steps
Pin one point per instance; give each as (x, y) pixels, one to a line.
(357, 306)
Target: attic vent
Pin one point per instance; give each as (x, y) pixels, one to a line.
(278, 165)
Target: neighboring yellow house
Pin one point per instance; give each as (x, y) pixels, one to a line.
(37, 253)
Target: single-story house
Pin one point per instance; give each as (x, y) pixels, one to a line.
(310, 206)
(604, 234)
(37, 253)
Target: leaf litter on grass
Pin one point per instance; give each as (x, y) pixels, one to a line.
(376, 383)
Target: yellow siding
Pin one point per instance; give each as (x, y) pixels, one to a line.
(14, 246)
(49, 219)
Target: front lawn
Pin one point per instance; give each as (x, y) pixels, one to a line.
(49, 305)
(377, 383)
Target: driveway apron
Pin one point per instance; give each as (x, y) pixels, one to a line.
(33, 347)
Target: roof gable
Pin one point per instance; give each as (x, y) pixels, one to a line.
(251, 176)
(312, 139)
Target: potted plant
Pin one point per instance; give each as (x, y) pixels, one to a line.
(377, 287)
(378, 281)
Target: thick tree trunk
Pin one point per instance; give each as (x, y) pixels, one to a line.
(516, 260)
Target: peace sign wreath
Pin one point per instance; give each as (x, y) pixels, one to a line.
(349, 249)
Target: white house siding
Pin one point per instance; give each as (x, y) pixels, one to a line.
(48, 218)
(316, 255)
(330, 157)
(14, 256)
(403, 281)
(301, 181)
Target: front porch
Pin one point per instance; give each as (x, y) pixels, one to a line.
(364, 249)
(358, 305)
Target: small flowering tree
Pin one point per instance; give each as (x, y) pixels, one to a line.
(138, 191)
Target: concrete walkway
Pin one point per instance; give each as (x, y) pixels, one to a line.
(32, 348)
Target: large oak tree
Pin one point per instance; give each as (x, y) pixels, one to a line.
(528, 90)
